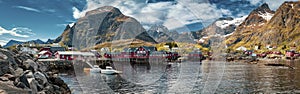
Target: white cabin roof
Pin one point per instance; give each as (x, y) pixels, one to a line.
(75, 53)
(42, 52)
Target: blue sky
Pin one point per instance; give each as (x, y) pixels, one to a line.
(43, 19)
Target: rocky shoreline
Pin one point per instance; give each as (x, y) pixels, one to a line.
(20, 73)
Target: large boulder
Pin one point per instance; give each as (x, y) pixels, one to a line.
(18, 72)
(5, 67)
(7, 62)
(3, 91)
(8, 56)
(31, 65)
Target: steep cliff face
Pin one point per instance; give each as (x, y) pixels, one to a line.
(256, 19)
(66, 37)
(284, 27)
(104, 24)
(280, 29)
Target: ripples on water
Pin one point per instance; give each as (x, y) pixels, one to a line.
(188, 77)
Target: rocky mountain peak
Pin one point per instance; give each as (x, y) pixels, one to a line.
(107, 9)
(259, 16)
(158, 28)
(104, 24)
(264, 8)
(159, 33)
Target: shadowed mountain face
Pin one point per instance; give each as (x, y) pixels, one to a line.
(104, 24)
(263, 26)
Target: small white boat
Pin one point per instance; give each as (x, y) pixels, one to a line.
(109, 70)
(95, 69)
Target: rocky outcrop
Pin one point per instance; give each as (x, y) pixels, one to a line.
(21, 74)
(104, 24)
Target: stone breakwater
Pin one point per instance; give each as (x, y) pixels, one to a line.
(20, 73)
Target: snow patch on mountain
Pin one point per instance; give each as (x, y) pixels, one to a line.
(267, 16)
(225, 23)
(71, 24)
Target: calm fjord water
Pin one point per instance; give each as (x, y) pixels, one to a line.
(189, 77)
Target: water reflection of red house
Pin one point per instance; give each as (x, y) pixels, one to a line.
(139, 52)
(195, 55)
(289, 54)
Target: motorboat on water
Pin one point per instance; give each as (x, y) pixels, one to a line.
(109, 70)
(95, 69)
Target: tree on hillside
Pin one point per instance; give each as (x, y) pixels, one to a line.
(171, 45)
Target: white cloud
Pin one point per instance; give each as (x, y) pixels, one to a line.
(28, 8)
(3, 42)
(255, 2)
(50, 10)
(76, 13)
(17, 32)
(167, 13)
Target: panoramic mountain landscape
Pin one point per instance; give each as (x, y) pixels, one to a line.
(150, 46)
(261, 26)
